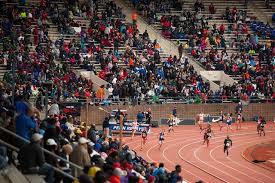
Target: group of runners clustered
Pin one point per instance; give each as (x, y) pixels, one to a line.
(206, 129)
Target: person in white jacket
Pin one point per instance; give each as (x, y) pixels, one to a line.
(54, 109)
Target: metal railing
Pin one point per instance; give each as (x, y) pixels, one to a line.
(44, 150)
(56, 169)
(163, 100)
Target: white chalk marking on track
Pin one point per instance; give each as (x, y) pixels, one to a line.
(198, 141)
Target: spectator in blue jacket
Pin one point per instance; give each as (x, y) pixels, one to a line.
(140, 117)
(21, 106)
(160, 170)
(273, 18)
(175, 175)
(25, 124)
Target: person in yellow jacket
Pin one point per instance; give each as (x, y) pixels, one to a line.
(23, 15)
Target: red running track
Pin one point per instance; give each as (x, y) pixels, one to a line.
(209, 164)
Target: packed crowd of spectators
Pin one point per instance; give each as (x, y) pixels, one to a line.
(29, 51)
(97, 153)
(166, 77)
(34, 59)
(141, 58)
(34, 68)
(229, 47)
(62, 135)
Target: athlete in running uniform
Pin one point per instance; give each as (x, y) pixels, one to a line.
(134, 128)
(220, 120)
(207, 134)
(258, 124)
(229, 122)
(161, 138)
(200, 120)
(170, 124)
(261, 128)
(143, 138)
(239, 121)
(227, 145)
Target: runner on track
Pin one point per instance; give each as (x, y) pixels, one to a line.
(170, 124)
(239, 121)
(208, 132)
(200, 120)
(259, 123)
(161, 138)
(143, 138)
(261, 127)
(229, 122)
(134, 128)
(220, 120)
(227, 145)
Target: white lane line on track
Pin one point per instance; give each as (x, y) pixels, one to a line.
(163, 154)
(238, 140)
(177, 133)
(243, 156)
(171, 141)
(153, 140)
(147, 153)
(195, 154)
(246, 161)
(198, 141)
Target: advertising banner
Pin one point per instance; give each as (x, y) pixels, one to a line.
(127, 128)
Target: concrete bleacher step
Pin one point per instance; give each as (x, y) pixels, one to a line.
(4, 179)
(34, 179)
(3, 69)
(12, 175)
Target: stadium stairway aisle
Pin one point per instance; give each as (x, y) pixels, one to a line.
(167, 45)
(262, 12)
(220, 7)
(3, 69)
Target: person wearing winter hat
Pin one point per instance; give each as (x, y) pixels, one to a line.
(51, 142)
(51, 146)
(65, 166)
(91, 150)
(80, 155)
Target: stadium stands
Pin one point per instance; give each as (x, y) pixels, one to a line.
(30, 50)
(230, 39)
(44, 44)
